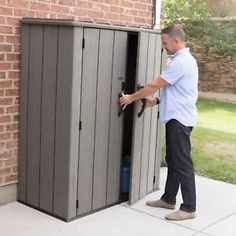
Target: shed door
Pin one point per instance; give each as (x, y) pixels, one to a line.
(103, 71)
(145, 131)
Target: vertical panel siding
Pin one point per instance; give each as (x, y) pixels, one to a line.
(138, 122)
(63, 121)
(145, 130)
(102, 118)
(75, 115)
(88, 111)
(34, 114)
(160, 61)
(115, 137)
(153, 119)
(48, 117)
(147, 120)
(158, 156)
(22, 169)
(157, 68)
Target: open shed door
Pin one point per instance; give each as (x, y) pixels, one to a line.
(145, 131)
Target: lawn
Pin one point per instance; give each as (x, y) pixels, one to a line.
(214, 141)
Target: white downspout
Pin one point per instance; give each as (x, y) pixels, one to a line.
(157, 14)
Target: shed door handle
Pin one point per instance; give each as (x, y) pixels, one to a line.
(120, 111)
(143, 100)
(123, 88)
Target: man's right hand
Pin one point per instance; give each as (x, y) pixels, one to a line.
(150, 102)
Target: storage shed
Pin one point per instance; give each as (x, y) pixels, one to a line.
(72, 140)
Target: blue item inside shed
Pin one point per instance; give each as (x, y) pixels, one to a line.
(125, 177)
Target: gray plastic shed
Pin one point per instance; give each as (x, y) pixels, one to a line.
(72, 141)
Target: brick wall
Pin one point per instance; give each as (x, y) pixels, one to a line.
(135, 13)
(217, 73)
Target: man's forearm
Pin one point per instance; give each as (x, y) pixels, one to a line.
(144, 92)
(149, 89)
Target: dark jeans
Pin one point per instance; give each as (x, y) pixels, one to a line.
(180, 166)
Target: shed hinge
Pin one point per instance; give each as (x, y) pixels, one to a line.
(154, 179)
(158, 114)
(80, 125)
(77, 204)
(83, 43)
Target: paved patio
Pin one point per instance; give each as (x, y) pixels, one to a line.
(223, 97)
(216, 216)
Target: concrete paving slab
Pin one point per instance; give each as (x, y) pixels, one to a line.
(200, 234)
(215, 201)
(225, 227)
(222, 97)
(216, 216)
(20, 220)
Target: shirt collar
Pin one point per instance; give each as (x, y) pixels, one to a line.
(181, 51)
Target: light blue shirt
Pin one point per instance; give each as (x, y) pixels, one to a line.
(179, 96)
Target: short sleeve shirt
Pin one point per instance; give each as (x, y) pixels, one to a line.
(179, 96)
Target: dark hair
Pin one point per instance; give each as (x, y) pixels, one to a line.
(174, 31)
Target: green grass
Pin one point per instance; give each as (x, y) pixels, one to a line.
(214, 141)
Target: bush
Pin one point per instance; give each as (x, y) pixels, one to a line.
(201, 29)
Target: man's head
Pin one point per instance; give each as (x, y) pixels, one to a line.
(173, 39)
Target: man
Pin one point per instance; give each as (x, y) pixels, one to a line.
(179, 114)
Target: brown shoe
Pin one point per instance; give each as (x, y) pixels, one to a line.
(160, 203)
(181, 215)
